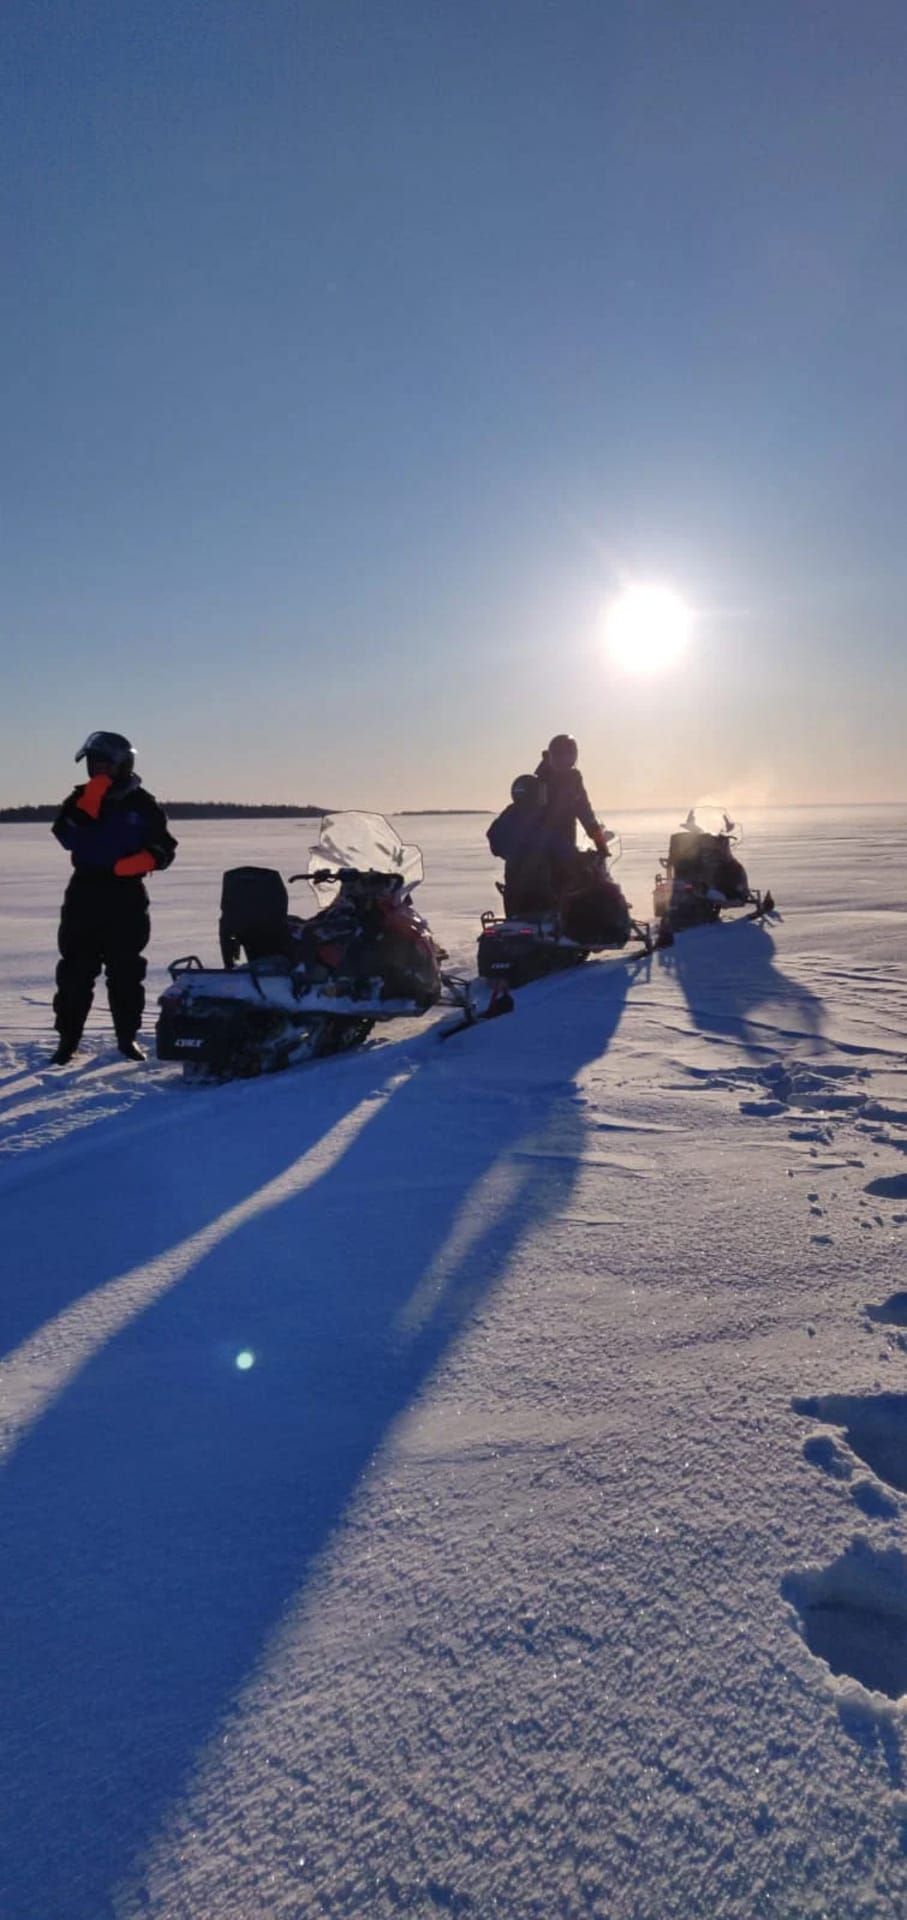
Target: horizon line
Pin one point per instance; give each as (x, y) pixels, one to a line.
(303, 810)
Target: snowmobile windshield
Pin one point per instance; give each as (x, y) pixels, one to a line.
(365, 842)
(709, 816)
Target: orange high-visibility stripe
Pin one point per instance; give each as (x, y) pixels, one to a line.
(92, 794)
(134, 864)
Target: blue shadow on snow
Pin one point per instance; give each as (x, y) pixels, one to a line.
(60, 1244)
(727, 972)
(159, 1519)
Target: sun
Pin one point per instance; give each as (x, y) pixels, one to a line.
(647, 629)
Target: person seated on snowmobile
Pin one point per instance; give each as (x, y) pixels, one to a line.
(518, 837)
(565, 804)
(729, 874)
(704, 859)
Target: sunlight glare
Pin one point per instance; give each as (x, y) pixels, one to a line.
(245, 1360)
(647, 629)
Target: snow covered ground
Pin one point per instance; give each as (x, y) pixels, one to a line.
(467, 1479)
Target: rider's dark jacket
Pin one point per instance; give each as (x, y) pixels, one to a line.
(129, 821)
(564, 802)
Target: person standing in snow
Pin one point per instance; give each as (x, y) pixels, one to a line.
(564, 803)
(116, 833)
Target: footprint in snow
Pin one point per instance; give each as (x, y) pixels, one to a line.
(892, 1312)
(891, 1186)
(874, 1427)
(874, 1501)
(820, 1450)
(853, 1615)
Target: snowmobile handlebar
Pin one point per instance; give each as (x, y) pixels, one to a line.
(322, 875)
(613, 848)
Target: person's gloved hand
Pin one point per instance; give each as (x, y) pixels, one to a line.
(92, 794)
(134, 864)
(601, 839)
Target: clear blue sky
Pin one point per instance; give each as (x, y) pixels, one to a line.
(355, 351)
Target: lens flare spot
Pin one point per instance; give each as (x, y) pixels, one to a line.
(245, 1360)
(647, 629)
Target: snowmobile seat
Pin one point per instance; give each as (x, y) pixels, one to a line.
(254, 915)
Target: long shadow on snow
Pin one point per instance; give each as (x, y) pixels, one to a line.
(111, 1198)
(727, 973)
(159, 1520)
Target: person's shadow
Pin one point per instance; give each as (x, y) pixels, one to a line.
(165, 1512)
(728, 976)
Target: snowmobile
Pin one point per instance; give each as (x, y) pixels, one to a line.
(539, 934)
(308, 987)
(701, 876)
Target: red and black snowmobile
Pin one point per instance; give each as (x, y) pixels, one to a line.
(294, 989)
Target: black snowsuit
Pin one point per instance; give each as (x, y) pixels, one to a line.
(105, 921)
(518, 837)
(564, 802)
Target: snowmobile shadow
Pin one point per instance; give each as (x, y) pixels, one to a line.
(168, 1510)
(727, 972)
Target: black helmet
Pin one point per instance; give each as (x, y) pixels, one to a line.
(108, 750)
(563, 750)
(525, 790)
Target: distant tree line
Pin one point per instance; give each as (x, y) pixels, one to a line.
(187, 810)
(238, 810)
